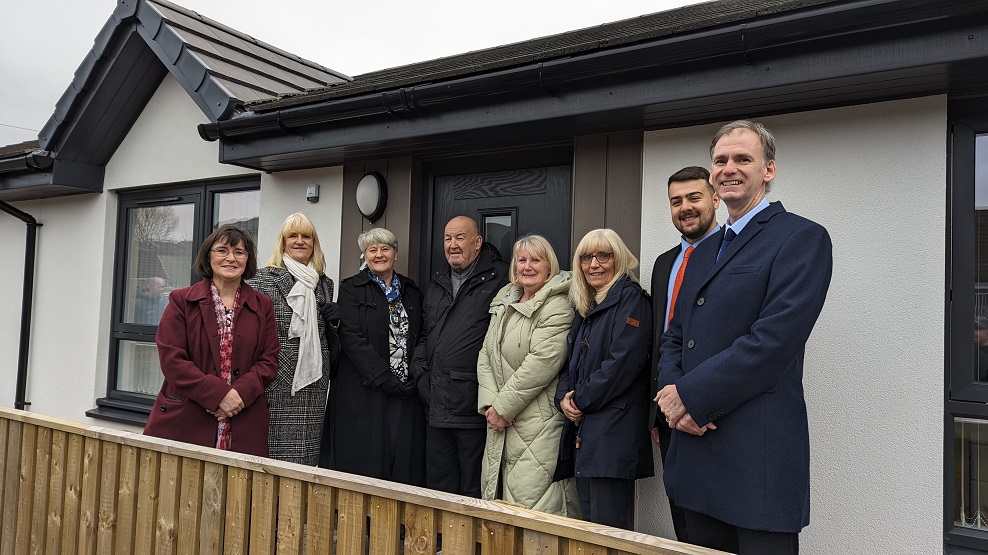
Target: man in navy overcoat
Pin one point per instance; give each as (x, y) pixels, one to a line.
(731, 365)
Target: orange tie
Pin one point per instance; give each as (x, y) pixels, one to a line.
(678, 282)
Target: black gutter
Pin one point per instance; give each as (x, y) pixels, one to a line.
(29, 253)
(40, 160)
(741, 40)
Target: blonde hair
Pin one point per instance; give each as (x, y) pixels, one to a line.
(298, 223)
(581, 292)
(535, 245)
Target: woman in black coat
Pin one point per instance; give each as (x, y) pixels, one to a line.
(375, 425)
(604, 392)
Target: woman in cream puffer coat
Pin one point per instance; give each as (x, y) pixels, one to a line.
(517, 372)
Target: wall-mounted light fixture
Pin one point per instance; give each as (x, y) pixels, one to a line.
(372, 196)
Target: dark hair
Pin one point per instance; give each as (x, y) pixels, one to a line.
(233, 236)
(691, 173)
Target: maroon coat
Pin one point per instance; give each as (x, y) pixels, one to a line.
(189, 351)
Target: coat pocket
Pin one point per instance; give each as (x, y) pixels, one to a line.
(463, 391)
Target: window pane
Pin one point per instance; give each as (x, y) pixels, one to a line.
(159, 255)
(500, 231)
(138, 370)
(981, 258)
(240, 208)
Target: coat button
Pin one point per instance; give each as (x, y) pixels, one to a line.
(689, 344)
(164, 408)
(699, 302)
(236, 371)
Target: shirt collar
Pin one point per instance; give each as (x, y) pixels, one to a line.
(686, 244)
(743, 220)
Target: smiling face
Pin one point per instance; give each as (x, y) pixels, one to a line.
(299, 246)
(381, 259)
(739, 172)
(461, 242)
(532, 271)
(597, 273)
(227, 262)
(693, 207)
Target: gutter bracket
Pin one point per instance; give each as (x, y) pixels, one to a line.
(542, 84)
(744, 47)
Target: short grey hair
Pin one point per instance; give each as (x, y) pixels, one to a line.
(764, 135)
(375, 236)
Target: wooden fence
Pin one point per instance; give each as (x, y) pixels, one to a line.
(69, 488)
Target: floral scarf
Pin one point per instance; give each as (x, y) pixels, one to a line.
(224, 324)
(397, 324)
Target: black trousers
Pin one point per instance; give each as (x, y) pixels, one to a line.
(708, 531)
(608, 501)
(453, 458)
(678, 516)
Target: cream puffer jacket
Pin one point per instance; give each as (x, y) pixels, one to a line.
(517, 370)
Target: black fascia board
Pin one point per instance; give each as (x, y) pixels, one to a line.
(894, 62)
(62, 178)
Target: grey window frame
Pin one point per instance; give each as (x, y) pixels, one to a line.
(964, 397)
(126, 406)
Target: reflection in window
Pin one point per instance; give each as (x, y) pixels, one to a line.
(500, 231)
(970, 483)
(240, 208)
(138, 370)
(159, 248)
(981, 258)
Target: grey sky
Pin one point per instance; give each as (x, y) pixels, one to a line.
(42, 43)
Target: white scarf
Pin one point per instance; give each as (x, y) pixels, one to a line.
(305, 323)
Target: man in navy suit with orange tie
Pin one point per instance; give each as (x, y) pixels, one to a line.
(693, 205)
(731, 365)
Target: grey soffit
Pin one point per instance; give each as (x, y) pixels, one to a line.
(601, 37)
(220, 68)
(830, 54)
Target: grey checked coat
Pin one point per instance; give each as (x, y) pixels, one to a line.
(295, 432)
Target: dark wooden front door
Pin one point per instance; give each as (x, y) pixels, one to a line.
(507, 205)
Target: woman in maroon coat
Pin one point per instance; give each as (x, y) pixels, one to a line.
(218, 347)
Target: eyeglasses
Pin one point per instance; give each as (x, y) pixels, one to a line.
(602, 257)
(224, 252)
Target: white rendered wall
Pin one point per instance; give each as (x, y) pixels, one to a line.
(70, 342)
(874, 176)
(284, 193)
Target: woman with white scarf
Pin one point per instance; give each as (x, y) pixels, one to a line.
(294, 279)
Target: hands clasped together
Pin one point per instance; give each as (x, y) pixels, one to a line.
(570, 410)
(230, 406)
(495, 421)
(675, 412)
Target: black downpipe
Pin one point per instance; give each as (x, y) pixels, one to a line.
(26, 302)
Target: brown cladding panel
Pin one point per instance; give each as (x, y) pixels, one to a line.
(589, 183)
(401, 216)
(351, 222)
(399, 213)
(624, 187)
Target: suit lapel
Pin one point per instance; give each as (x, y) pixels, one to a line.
(660, 283)
(753, 228)
(208, 311)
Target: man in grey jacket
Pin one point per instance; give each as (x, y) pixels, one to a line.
(457, 313)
